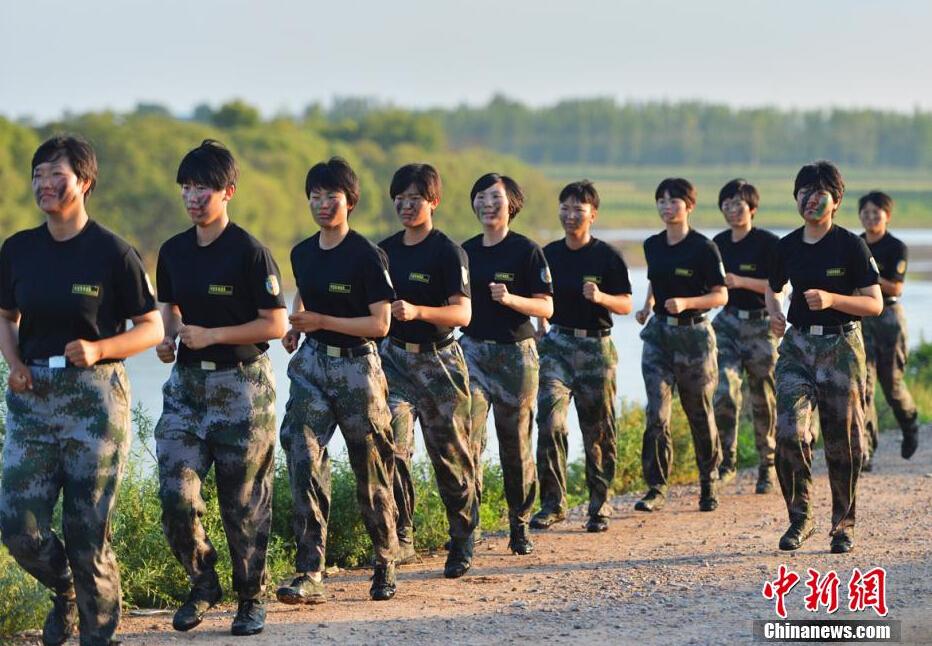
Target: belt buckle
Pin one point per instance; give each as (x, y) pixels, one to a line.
(412, 347)
(579, 334)
(208, 365)
(333, 351)
(672, 320)
(816, 329)
(744, 314)
(57, 362)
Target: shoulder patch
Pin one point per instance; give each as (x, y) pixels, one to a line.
(272, 286)
(465, 274)
(874, 265)
(388, 279)
(545, 274)
(721, 269)
(149, 284)
(901, 267)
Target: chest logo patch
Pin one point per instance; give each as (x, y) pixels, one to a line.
(86, 290)
(220, 290)
(504, 275)
(592, 279)
(901, 267)
(272, 286)
(418, 277)
(840, 271)
(748, 266)
(680, 271)
(339, 288)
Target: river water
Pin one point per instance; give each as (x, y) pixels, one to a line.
(147, 373)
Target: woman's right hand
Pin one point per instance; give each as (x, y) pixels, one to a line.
(642, 315)
(20, 379)
(166, 350)
(291, 339)
(778, 324)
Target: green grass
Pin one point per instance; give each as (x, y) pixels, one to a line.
(627, 193)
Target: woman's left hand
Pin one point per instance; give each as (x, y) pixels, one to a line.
(83, 354)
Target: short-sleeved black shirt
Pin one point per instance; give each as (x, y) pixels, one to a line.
(82, 288)
(519, 264)
(891, 255)
(596, 262)
(342, 282)
(691, 267)
(225, 283)
(839, 263)
(427, 273)
(749, 257)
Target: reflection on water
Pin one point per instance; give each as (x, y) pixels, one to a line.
(147, 373)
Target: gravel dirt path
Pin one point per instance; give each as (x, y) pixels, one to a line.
(677, 576)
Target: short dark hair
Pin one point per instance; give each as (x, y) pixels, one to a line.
(424, 178)
(210, 164)
(334, 174)
(739, 188)
(820, 174)
(677, 187)
(80, 156)
(584, 192)
(512, 191)
(879, 199)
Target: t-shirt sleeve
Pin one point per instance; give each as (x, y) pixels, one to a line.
(864, 271)
(713, 271)
(7, 293)
(900, 256)
(377, 284)
(265, 281)
(134, 287)
(776, 275)
(455, 272)
(616, 280)
(163, 279)
(539, 279)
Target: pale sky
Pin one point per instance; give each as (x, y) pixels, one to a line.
(280, 55)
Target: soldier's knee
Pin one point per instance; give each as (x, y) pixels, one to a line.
(18, 542)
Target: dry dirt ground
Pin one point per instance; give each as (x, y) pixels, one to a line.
(677, 576)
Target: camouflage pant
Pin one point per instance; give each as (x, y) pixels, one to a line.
(886, 351)
(503, 377)
(749, 347)
(351, 392)
(684, 357)
(824, 372)
(584, 369)
(70, 433)
(224, 418)
(432, 387)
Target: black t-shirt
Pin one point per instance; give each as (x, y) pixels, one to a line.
(891, 256)
(427, 273)
(82, 288)
(519, 264)
(225, 283)
(839, 263)
(749, 257)
(691, 267)
(342, 282)
(597, 262)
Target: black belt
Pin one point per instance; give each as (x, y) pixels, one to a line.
(422, 347)
(336, 351)
(220, 365)
(823, 330)
(890, 300)
(749, 315)
(684, 322)
(581, 333)
(51, 363)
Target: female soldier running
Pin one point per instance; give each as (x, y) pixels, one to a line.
(821, 365)
(885, 343)
(685, 280)
(343, 302)
(511, 283)
(66, 290)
